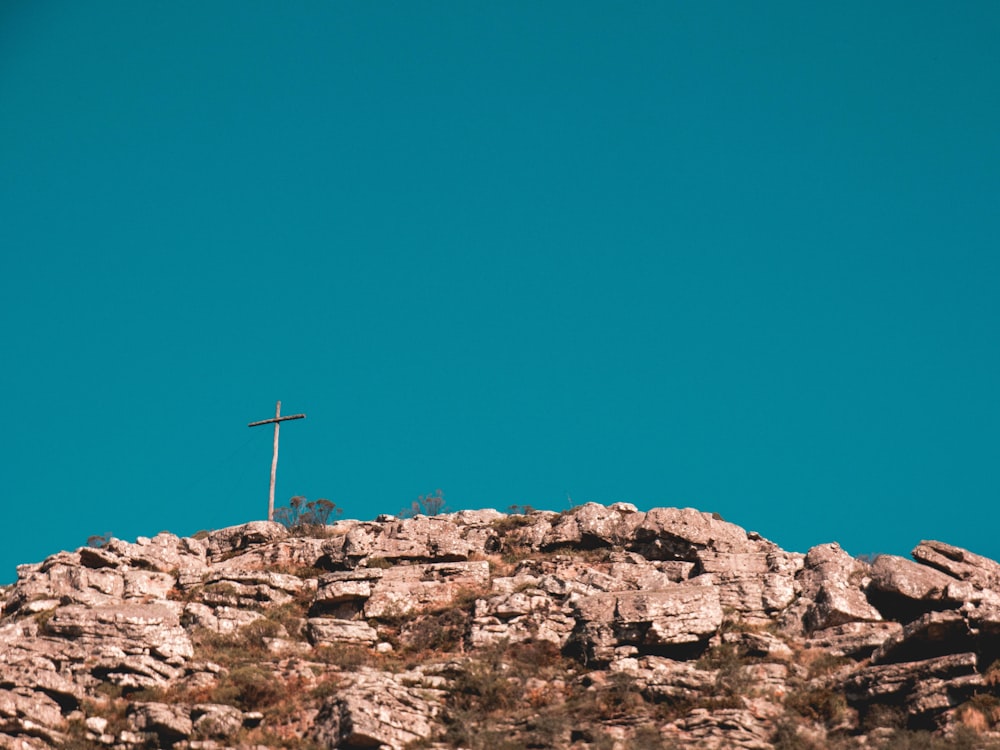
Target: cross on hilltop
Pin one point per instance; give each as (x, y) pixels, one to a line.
(276, 420)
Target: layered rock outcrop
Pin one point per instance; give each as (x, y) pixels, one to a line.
(599, 627)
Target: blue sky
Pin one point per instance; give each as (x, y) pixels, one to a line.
(736, 257)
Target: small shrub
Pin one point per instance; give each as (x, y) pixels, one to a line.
(326, 689)
(253, 688)
(509, 523)
(825, 663)
(346, 656)
(306, 517)
(819, 704)
(481, 687)
(731, 680)
(442, 632)
(879, 715)
(620, 697)
(431, 504)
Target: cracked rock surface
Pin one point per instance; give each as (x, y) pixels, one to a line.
(600, 627)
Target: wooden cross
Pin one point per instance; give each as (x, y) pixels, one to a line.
(278, 419)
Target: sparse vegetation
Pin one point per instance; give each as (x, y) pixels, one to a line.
(431, 504)
(306, 517)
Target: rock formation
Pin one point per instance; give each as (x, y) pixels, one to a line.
(596, 628)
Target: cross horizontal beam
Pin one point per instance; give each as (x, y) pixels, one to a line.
(277, 419)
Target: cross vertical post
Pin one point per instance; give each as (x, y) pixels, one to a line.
(278, 419)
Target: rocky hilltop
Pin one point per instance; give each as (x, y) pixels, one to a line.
(596, 628)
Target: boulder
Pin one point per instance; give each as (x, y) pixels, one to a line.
(132, 627)
(214, 720)
(419, 539)
(325, 631)
(592, 525)
(238, 538)
(409, 588)
(959, 563)
(902, 589)
(378, 710)
(649, 621)
(680, 533)
(168, 723)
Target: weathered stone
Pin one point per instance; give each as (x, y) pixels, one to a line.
(377, 709)
(343, 594)
(932, 634)
(405, 589)
(679, 533)
(832, 587)
(168, 723)
(65, 579)
(592, 525)
(959, 563)
(724, 729)
(518, 617)
(147, 584)
(898, 683)
(237, 538)
(661, 589)
(136, 628)
(854, 639)
(304, 552)
(419, 539)
(678, 616)
(221, 620)
(250, 588)
(34, 707)
(909, 580)
(664, 679)
(214, 720)
(323, 631)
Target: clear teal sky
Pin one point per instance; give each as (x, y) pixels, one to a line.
(740, 257)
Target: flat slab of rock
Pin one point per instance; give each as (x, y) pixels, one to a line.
(324, 631)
